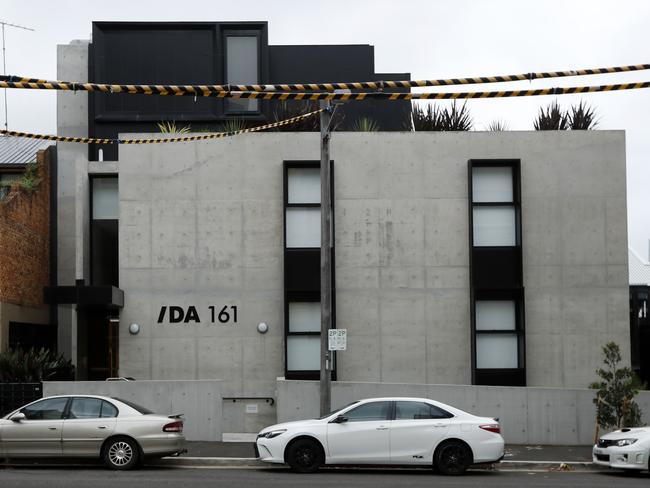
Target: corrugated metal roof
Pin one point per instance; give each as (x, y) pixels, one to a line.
(639, 269)
(18, 150)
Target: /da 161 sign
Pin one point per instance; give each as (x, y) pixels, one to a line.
(338, 339)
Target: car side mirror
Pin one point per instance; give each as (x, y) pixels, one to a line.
(18, 417)
(339, 420)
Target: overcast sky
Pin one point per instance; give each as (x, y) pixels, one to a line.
(428, 38)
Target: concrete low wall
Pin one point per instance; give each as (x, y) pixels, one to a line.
(527, 415)
(199, 400)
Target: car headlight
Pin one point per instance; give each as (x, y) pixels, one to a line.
(271, 434)
(625, 442)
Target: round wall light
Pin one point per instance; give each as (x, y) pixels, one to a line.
(134, 328)
(262, 328)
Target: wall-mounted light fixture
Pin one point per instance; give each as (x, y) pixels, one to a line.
(134, 328)
(262, 328)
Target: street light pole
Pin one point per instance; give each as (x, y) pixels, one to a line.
(325, 258)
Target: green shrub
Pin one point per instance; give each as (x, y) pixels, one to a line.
(34, 365)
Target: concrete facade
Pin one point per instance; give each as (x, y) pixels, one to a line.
(201, 225)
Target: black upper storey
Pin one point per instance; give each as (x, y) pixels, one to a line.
(193, 53)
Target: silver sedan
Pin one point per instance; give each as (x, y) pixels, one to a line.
(117, 431)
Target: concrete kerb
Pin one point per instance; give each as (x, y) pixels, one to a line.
(230, 462)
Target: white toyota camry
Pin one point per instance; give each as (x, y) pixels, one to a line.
(624, 449)
(388, 431)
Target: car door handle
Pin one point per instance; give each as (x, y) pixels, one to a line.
(51, 428)
(439, 425)
(101, 427)
(382, 428)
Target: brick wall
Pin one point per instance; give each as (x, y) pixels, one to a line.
(24, 240)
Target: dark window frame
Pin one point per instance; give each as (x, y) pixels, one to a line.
(303, 294)
(497, 291)
(232, 31)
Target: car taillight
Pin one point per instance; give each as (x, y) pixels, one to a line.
(174, 427)
(496, 428)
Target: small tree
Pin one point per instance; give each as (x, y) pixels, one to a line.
(615, 405)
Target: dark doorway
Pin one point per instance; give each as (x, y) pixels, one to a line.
(102, 344)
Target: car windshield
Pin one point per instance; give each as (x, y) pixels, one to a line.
(135, 406)
(337, 410)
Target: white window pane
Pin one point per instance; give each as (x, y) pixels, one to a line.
(303, 227)
(241, 68)
(496, 351)
(495, 315)
(304, 185)
(494, 226)
(303, 353)
(105, 199)
(304, 317)
(492, 184)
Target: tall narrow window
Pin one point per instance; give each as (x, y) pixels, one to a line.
(104, 230)
(496, 278)
(302, 269)
(242, 67)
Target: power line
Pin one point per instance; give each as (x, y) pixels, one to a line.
(4, 62)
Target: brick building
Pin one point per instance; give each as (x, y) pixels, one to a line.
(25, 244)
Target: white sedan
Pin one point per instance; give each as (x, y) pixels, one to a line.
(387, 431)
(624, 449)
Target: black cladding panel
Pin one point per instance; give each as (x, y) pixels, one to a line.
(154, 55)
(496, 268)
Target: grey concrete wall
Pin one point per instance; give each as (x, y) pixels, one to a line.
(202, 224)
(72, 187)
(200, 401)
(527, 415)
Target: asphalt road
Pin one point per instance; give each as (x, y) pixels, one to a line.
(279, 478)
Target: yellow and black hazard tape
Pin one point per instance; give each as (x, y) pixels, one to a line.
(217, 90)
(433, 96)
(201, 137)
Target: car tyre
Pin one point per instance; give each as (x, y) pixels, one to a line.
(305, 456)
(453, 458)
(121, 453)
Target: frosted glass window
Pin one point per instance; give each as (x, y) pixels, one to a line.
(304, 185)
(304, 317)
(303, 353)
(494, 226)
(241, 69)
(495, 315)
(105, 199)
(492, 184)
(496, 351)
(303, 227)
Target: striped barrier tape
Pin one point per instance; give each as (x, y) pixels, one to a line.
(212, 90)
(433, 96)
(202, 137)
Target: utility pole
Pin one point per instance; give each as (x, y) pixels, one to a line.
(4, 62)
(325, 258)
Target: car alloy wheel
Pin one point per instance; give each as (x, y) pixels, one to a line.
(305, 456)
(121, 453)
(453, 458)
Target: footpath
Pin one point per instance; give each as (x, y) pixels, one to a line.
(518, 457)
